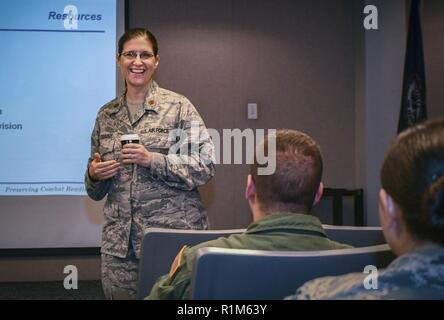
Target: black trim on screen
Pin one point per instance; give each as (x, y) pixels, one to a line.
(50, 252)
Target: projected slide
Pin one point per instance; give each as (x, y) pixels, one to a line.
(57, 63)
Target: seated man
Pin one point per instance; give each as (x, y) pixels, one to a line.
(411, 210)
(280, 204)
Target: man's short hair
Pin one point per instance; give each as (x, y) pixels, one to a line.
(293, 186)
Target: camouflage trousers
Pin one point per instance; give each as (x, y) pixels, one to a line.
(119, 276)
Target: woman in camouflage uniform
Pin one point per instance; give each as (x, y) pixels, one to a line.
(148, 184)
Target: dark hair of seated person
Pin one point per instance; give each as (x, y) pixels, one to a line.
(413, 175)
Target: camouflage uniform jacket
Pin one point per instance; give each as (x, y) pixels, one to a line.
(164, 194)
(278, 231)
(415, 275)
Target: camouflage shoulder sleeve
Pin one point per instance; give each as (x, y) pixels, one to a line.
(177, 284)
(96, 189)
(340, 287)
(194, 167)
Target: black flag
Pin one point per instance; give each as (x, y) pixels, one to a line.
(413, 105)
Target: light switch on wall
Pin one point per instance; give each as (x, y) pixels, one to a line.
(252, 111)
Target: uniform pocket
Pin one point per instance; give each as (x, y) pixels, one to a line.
(111, 210)
(107, 148)
(163, 213)
(156, 142)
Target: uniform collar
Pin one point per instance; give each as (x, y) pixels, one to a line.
(152, 97)
(286, 220)
(150, 104)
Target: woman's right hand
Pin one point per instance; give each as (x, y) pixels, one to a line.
(102, 170)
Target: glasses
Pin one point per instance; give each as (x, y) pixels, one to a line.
(132, 55)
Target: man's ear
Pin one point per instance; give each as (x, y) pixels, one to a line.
(250, 190)
(319, 193)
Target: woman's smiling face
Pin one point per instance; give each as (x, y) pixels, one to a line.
(137, 62)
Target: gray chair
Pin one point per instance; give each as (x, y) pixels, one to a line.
(355, 236)
(256, 275)
(160, 247)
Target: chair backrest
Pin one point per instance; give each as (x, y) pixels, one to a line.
(252, 274)
(355, 236)
(159, 248)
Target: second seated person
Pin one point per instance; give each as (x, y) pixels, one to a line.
(147, 186)
(281, 205)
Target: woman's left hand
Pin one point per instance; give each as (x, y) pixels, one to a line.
(136, 153)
